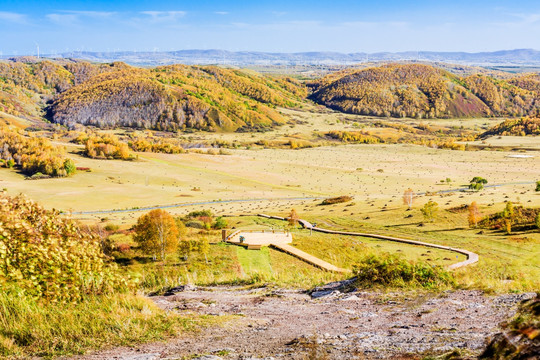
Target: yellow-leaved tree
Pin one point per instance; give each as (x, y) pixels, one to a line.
(157, 234)
(293, 218)
(50, 257)
(474, 215)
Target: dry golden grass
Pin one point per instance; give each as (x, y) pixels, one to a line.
(375, 175)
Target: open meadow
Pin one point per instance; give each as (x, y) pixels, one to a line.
(273, 181)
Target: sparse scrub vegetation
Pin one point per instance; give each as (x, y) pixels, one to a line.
(394, 271)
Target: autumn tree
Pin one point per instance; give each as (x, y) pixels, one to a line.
(157, 233)
(193, 245)
(430, 210)
(474, 214)
(33, 154)
(293, 218)
(538, 186)
(408, 197)
(508, 216)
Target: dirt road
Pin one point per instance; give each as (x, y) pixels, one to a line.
(290, 324)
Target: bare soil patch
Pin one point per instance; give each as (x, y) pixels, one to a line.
(291, 324)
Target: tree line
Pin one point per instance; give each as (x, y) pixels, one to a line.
(33, 155)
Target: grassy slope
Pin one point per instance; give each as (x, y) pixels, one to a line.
(32, 328)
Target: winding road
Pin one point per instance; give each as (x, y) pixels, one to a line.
(471, 257)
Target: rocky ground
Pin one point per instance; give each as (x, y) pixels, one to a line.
(328, 324)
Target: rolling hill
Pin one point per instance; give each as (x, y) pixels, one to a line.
(175, 97)
(211, 98)
(423, 91)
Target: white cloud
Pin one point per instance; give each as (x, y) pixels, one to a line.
(221, 12)
(71, 17)
(63, 19)
(94, 14)
(164, 16)
(13, 17)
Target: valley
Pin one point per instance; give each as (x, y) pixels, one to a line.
(211, 148)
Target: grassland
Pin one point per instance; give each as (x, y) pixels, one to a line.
(31, 328)
(375, 175)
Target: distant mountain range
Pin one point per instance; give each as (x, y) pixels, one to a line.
(517, 57)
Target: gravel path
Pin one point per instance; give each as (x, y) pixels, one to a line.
(291, 324)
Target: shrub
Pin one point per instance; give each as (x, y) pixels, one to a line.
(353, 137)
(392, 270)
(70, 167)
(220, 223)
(112, 227)
(199, 245)
(200, 213)
(33, 154)
(336, 200)
(518, 217)
(430, 210)
(477, 183)
(106, 146)
(51, 257)
(195, 224)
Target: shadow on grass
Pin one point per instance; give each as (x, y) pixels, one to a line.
(446, 230)
(402, 225)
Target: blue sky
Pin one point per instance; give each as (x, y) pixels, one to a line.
(275, 26)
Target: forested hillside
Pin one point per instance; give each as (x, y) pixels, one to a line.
(423, 91)
(180, 97)
(517, 127)
(165, 98)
